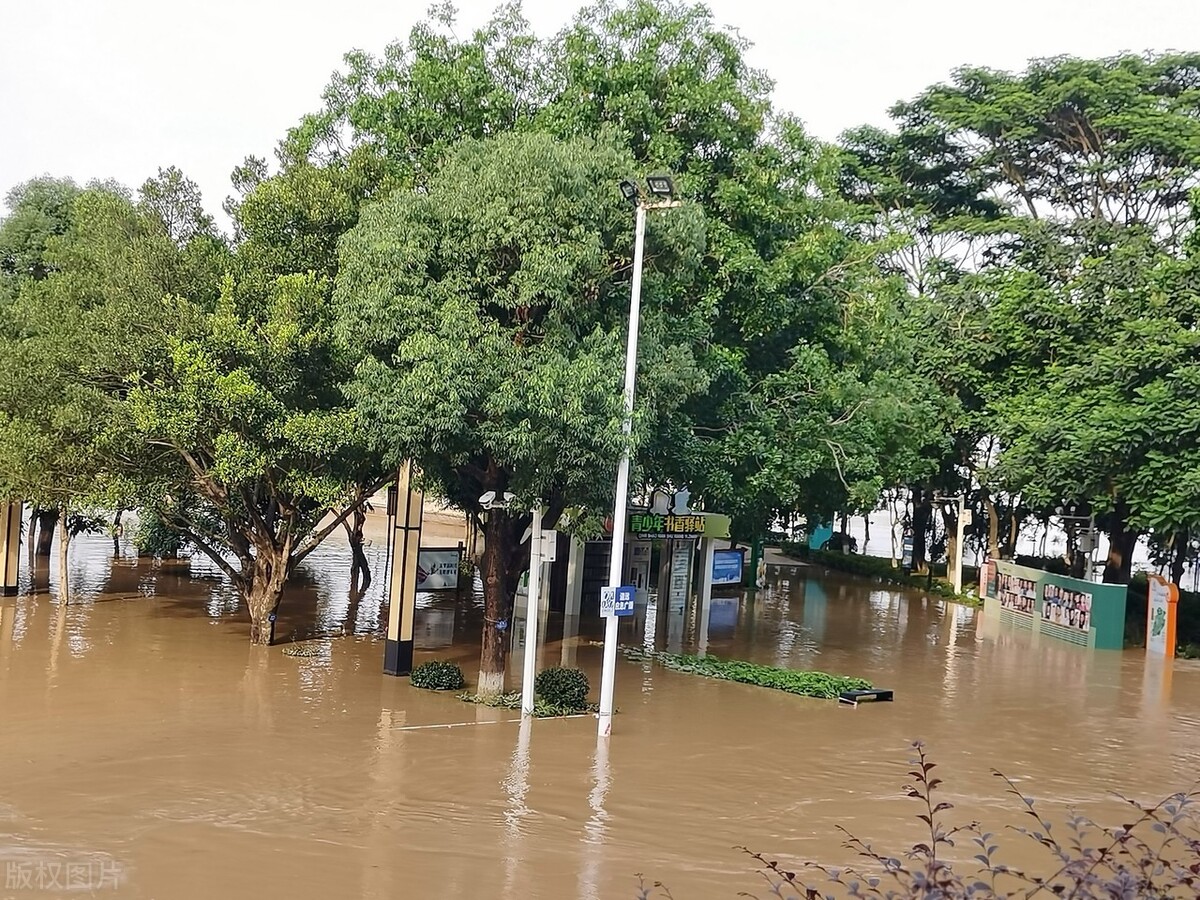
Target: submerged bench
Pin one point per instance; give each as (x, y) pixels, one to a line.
(856, 697)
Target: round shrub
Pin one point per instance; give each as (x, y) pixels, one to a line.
(567, 688)
(438, 675)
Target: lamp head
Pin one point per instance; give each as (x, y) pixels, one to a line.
(661, 186)
(629, 191)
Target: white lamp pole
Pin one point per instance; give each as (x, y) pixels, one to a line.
(661, 187)
(608, 673)
(961, 550)
(533, 604)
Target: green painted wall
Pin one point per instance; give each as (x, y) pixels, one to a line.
(1056, 606)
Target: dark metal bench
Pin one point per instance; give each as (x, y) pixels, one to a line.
(856, 697)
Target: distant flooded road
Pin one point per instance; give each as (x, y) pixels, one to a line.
(148, 749)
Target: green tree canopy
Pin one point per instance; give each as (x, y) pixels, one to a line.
(491, 309)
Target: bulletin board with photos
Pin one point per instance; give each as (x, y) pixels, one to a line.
(1062, 606)
(1016, 593)
(1074, 610)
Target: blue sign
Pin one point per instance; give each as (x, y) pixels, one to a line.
(727, 567)
(625, 597)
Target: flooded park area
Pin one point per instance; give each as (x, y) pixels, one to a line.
(146, 743)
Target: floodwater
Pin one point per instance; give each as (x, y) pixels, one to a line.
(148, 752)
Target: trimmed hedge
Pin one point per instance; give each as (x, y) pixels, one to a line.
(792, 681)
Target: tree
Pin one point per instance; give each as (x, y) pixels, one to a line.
(68, 339)
(491, 311)
(1024, 197)
(251, 445)
(38, 210)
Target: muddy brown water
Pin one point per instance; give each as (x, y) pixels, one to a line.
(148, 752)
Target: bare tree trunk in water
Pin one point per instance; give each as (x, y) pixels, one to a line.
(498, 590)
(116, 534)
(64, 544)
(359, 567)
(866, 531)
(31, 535)
(47, 521)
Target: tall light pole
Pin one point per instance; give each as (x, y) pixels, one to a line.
(662, 188)
(533, 610)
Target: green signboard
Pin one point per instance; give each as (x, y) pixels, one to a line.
(646, 525)
(1066, 609)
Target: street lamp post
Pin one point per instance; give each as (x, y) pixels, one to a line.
(661, 187)
(533, 610)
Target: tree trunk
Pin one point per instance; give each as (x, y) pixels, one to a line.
(1118, 569)
(1179, 557)
(499, 545)
(920, 525)
(264, 592)
(64, 545)
(116, 533)
(950, 521)
(47, 520)
(866, 532)
(360, 568)
(993, 527)
(1009, 550)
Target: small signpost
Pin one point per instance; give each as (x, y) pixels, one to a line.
(617, 601)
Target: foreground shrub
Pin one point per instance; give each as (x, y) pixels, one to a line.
(567, 688)
(438, 675)
(1154, 853)
(793, 681)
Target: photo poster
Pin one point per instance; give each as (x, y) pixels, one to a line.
(1063, 606)
(1016, 594)
(437, 568)
(727, 567)
(1161, 606)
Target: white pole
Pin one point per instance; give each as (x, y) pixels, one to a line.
(710, 548)
(608, 674)
(962, 525)
(532, 612)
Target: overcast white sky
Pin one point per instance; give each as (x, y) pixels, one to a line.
(117, 88)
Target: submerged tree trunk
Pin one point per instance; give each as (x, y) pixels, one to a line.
(47, 521)
(360, 568)
(263, 590)
(64, 545)
(116, 533)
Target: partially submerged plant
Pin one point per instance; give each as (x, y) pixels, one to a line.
(563, 687)
(1155, 854)
(438, 675)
